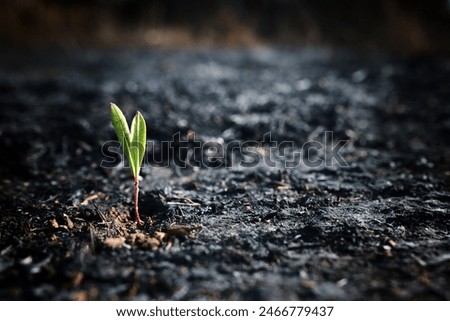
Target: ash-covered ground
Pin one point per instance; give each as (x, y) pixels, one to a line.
(242, 195)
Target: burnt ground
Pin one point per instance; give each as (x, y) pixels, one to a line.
(375, 229)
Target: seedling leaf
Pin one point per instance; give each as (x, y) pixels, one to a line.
(121, 128)
(133, 143)
(138, 141)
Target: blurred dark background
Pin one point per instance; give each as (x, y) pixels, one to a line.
(405, 26)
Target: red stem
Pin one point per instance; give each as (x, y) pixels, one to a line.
(136, 200)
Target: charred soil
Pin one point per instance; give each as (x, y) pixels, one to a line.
(218, 226)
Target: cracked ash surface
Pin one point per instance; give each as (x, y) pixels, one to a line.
(375, 229)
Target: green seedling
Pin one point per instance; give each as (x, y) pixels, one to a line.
(133, 143)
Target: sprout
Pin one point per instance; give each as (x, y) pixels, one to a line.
(133, 144)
